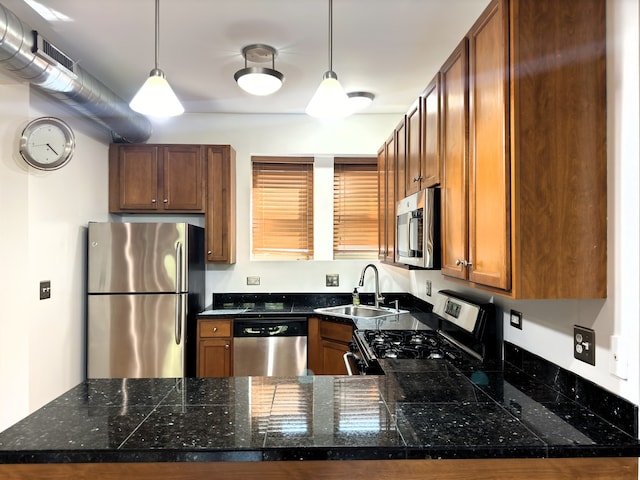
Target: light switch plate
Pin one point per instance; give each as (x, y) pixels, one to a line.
(332, 280)
(253, 280)
(516, 319)
(45, 290)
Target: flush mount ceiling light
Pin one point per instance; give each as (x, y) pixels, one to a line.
(330, 100)
(259, 80)
(360, 100)
(156, 98)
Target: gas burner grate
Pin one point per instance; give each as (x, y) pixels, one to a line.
(404, 344)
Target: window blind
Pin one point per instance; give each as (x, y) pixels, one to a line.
(282, 224)
(355, 208)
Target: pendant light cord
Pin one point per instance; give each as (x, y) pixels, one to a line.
(157, 30)
(331, 35)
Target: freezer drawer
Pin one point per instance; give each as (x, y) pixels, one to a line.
(136, 336)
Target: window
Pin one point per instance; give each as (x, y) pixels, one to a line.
(282, 208)
(355, 208)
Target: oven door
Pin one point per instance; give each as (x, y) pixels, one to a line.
(359, 360)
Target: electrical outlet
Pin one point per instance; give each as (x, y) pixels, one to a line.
(584, 344)
(45, 290)
(332, 280)
(516, 319)
(427, 288)
(253, 280)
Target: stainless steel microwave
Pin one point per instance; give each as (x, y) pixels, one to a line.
(418, 229)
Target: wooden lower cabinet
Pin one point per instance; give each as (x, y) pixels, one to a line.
(215, 344)
(483, 469)
(328, 342)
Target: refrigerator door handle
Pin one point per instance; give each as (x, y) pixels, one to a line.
(178, 330)
(178, 313)
(179, 266)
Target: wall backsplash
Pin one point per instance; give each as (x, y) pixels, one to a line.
(620, 412)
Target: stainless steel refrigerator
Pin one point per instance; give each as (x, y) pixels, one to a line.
(145, 286)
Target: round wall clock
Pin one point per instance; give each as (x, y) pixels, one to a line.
(47, 143)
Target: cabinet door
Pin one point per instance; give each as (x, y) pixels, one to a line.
(183, 178)
(333, 357)
(214, 357)
(220, 218)
(489, 172)
(454, 150)
(382, 202)
(414, 148)
(430, 168)
(390, 203)
(137, 177)
(401, 160)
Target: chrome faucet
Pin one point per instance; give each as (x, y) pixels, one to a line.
(377, 298)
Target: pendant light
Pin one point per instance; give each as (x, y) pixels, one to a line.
(156, 98)
(259, 80)
(330, 100)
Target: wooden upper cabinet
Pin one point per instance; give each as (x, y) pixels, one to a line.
(489, 254)
(401, 160)
(534, 217)
(430, 128)
(413, 175)
(162, 178)
(382, 201)
(220, 217)
(454, 148)
(390, 201)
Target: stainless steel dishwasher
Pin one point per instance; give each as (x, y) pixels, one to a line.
(274, 347)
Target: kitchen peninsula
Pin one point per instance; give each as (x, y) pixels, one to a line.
(419, 420)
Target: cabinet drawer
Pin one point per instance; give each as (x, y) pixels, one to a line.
(336, 331)
(214, 328)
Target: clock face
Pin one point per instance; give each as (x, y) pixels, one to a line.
(47, 143)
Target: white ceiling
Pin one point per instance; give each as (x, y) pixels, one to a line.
(391, 48)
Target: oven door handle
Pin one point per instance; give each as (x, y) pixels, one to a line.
(347, 363)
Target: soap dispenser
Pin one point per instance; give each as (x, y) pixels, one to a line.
(356, 296)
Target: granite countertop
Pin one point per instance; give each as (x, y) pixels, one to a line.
(419, 409)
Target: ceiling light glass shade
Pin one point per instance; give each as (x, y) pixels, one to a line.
(156, 98)
(259, 80)
(330, 100)
(360, 100)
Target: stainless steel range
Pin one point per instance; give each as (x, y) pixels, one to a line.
(463, 329)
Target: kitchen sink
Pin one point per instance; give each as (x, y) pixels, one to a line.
(361, 311)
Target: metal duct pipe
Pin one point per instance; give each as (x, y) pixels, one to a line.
(69, 84)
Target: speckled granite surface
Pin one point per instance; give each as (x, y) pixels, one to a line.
(419, 409)
(521, 407)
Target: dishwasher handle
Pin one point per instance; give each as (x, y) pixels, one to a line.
(270, 327)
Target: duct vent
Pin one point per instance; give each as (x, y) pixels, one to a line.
(48, 51)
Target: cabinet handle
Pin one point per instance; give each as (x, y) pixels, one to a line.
(226, 347)
(464, 263)
(209, 252)
(214, 329)
(153, 200)
(165, 201)
(417, 179)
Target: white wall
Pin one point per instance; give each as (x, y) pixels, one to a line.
(43, 217)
